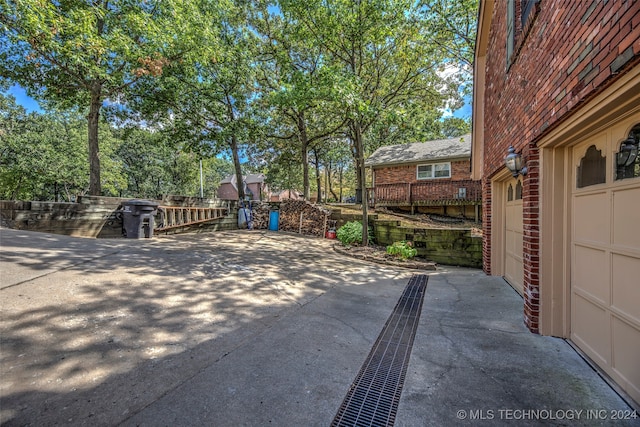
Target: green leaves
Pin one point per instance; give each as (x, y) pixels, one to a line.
(402, 249)
(40, 154)
(275, 80)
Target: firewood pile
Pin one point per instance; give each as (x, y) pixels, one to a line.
(260, 215)
(297, 216)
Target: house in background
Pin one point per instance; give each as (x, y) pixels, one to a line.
(286, 195)
(255, 187)
(559, 82)
(428, 177)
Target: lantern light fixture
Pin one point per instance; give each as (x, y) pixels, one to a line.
(513, 162)
(628, 152)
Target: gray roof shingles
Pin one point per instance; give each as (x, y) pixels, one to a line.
(441, 149)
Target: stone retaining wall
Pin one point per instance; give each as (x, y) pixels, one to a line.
(448, 246)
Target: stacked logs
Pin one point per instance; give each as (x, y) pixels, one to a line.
(297, 216)
(303, 217)
(260, 212)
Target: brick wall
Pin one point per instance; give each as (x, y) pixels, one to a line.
(227, 191)
(531, 241)
(572, 49)
(486, 225)
(564, 54)
(460, 170)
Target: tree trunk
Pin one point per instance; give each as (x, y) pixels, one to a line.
(304, 152)
(363, 182)
(237, 167)
(357, 153)
(330, 185)
(93, 119)
(340, 181)
(233, 143)
(318, 177)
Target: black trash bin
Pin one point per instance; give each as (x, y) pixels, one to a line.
(137, 218)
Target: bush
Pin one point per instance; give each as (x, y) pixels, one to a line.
(403, 249)
(351, 233)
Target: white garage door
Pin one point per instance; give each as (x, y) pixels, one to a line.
(513, 267)
(605, 262)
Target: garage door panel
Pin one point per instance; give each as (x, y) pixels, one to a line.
(591, 328)
(514, 216)
(592, 220)
(514, 244)
(590, 272)
(626, 353)
(510, 242)
(626, 231)
(514, 269)
(626, 286)
(604, 219)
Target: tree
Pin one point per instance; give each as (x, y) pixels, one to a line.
(79, 53)
(41, 155)
(295, 86)
(455, 126)
(206, 99)
(451, 27)
(383, 59)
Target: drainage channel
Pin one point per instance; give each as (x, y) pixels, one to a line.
(373, 397)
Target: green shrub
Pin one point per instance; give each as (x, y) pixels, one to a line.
(351, 233)
(403, 249)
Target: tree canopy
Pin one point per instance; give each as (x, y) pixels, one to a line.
(279, 87)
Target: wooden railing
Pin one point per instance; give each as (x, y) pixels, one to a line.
(427, 193)
(175, 216)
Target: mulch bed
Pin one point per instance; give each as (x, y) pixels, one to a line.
(379, 255)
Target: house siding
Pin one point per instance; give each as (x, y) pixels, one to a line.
(566, 54)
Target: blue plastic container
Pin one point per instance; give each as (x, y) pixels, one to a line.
(274, 218)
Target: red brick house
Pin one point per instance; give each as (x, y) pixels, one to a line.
(431, 177)
(559, 81)
(286, 195)
(255, 187)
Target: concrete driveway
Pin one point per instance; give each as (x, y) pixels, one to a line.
(261, 328)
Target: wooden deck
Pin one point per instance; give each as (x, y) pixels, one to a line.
(432, 193)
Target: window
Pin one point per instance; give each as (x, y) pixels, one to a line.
(510, 197)
(592, 168)
(526, 6)
(520, 14)
(435, 170)
(511, 14)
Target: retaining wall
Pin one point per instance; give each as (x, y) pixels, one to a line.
(99, 217)
(450, 246)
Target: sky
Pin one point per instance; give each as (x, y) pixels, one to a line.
(32, 105)
(23, 99)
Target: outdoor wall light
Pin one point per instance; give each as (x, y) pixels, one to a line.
(513, 162)
(628, 152)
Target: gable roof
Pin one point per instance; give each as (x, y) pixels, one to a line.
(248, 179)
(440, 149)
(253, 178)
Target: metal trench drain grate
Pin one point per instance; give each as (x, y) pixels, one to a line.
(373, 397)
